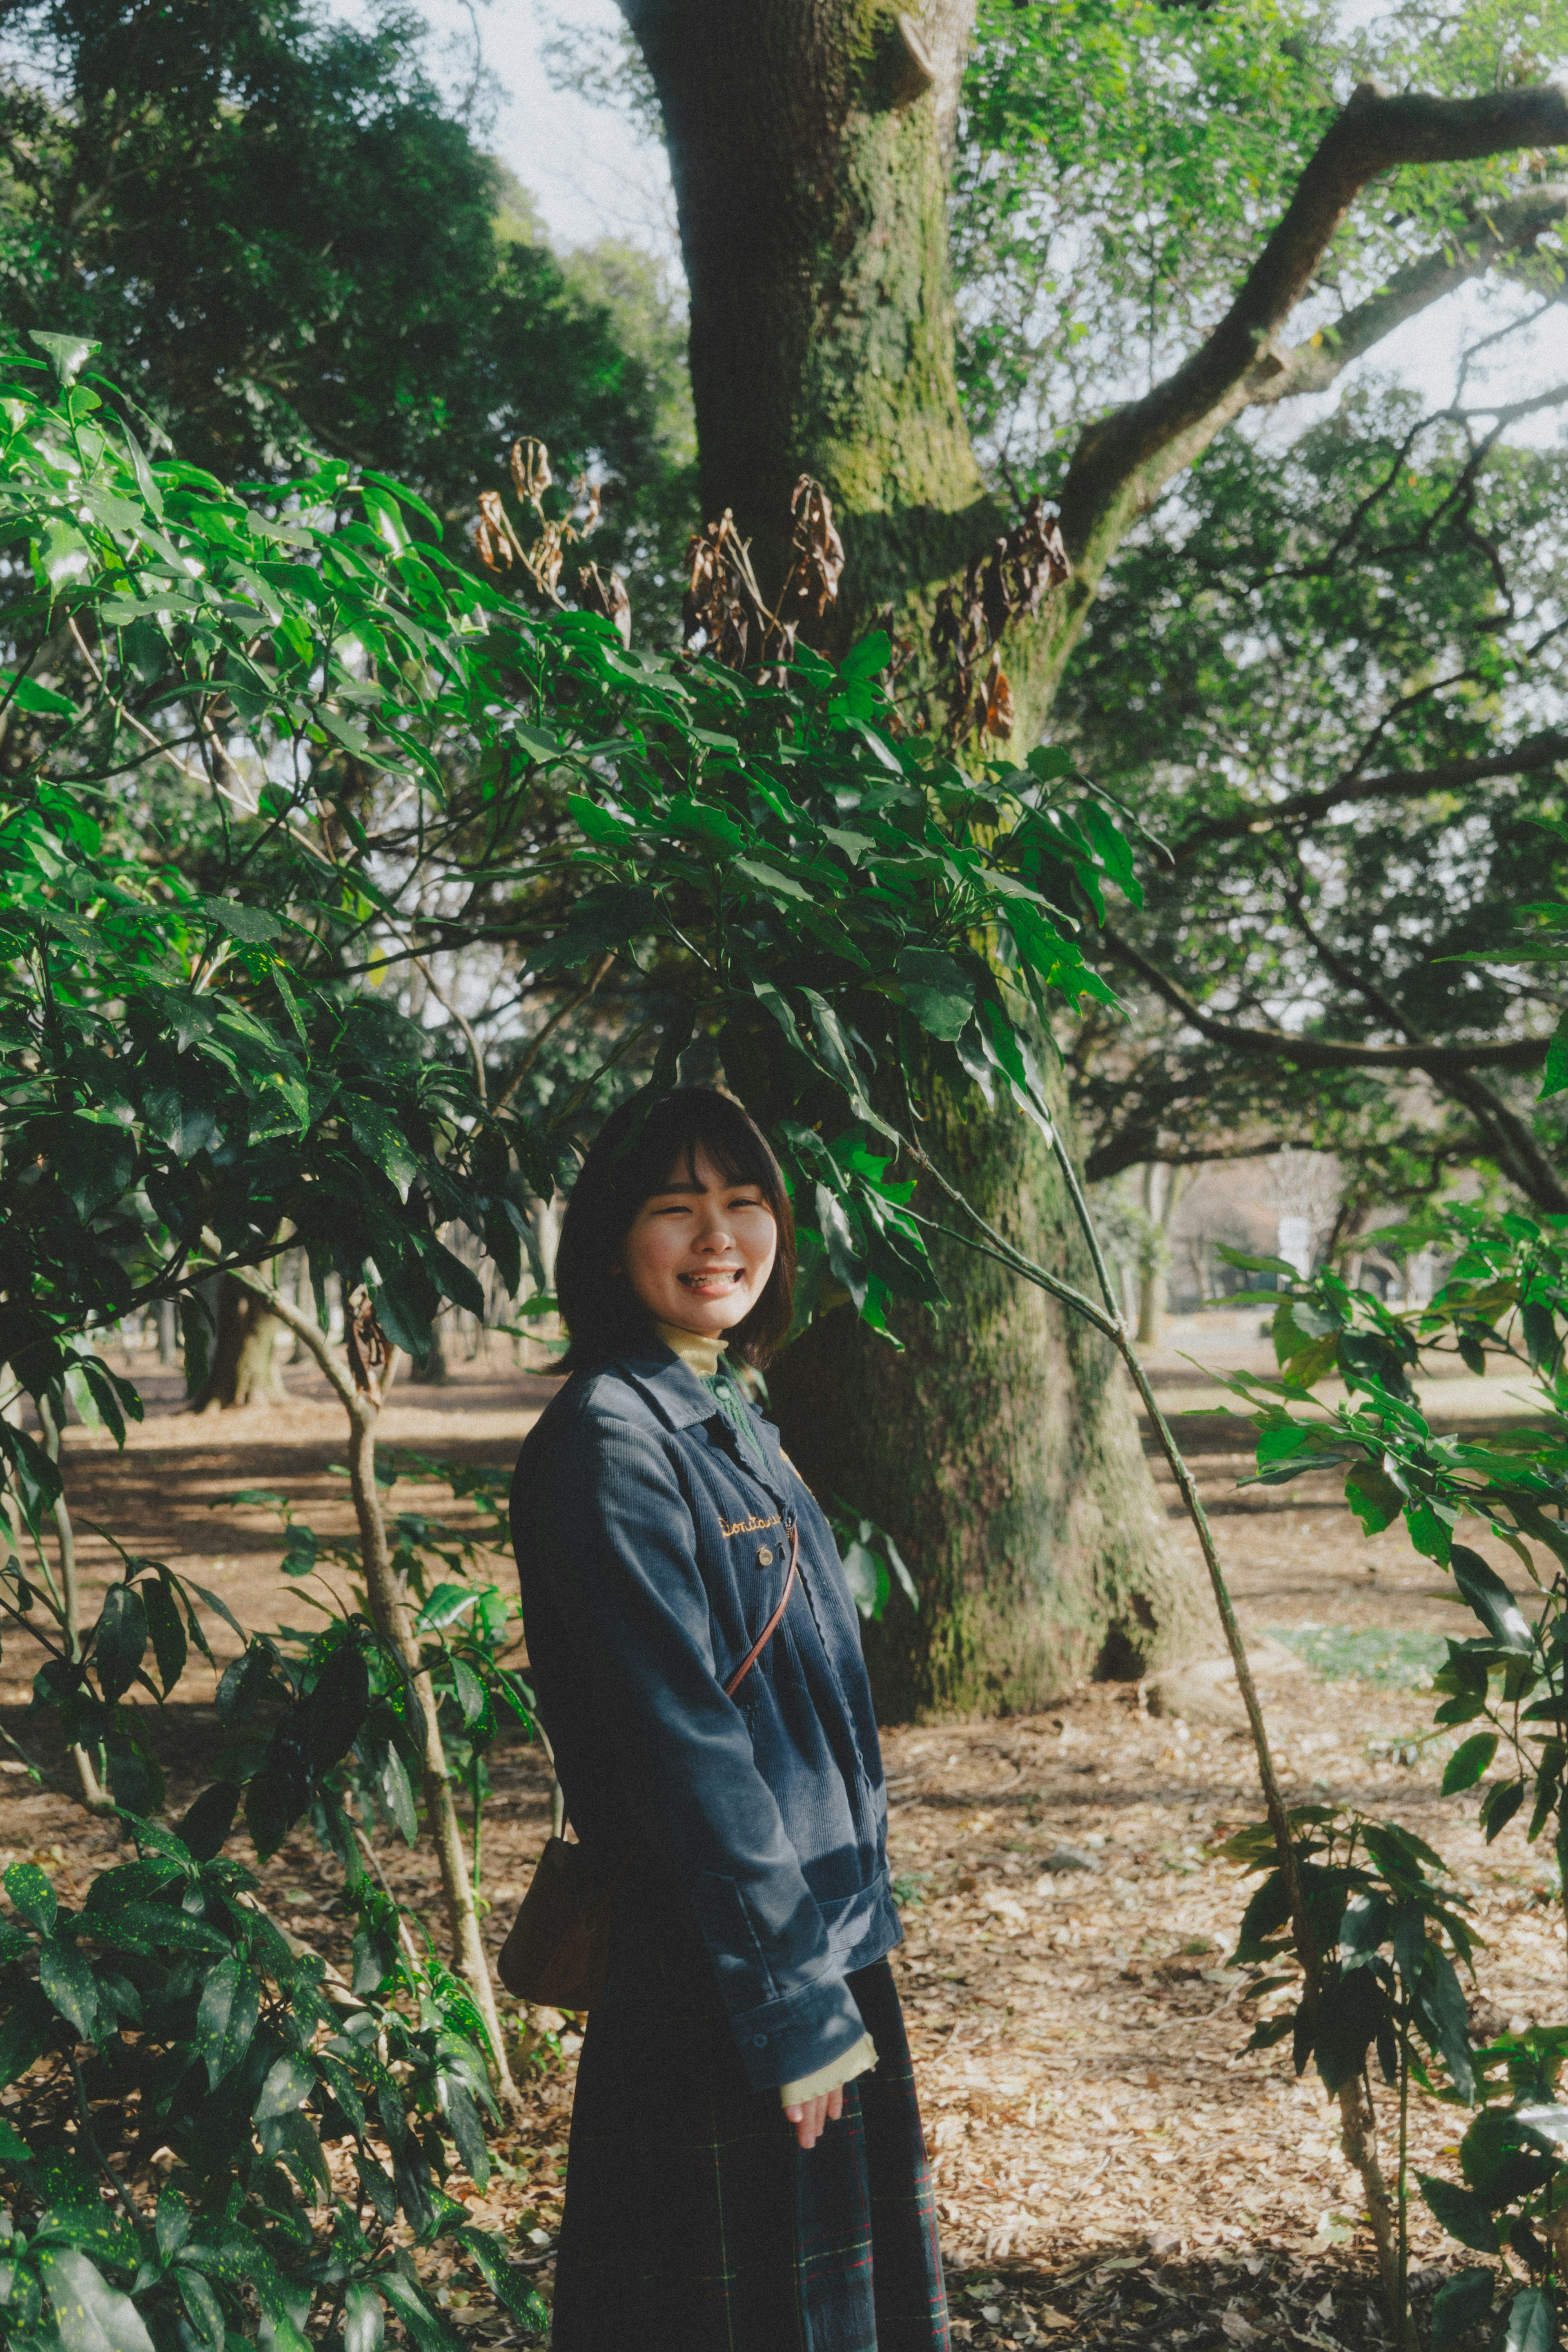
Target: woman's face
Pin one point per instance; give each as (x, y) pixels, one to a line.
(699, 1253)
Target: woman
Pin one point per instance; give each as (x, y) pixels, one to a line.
(746, 2171)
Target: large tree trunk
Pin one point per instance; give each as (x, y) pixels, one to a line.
(809, 145)
(1001, 1452)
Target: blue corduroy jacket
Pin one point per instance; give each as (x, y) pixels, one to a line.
(653, 1550)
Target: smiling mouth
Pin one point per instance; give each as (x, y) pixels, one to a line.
(718, 1280)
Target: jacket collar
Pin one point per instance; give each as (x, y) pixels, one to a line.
(672, 1388)
(678, 1397)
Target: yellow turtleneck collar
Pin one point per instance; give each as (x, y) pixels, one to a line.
(695, 1349)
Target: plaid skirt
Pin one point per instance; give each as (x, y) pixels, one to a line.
(693, 2222)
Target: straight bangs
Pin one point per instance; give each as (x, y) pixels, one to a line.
(635, 1154)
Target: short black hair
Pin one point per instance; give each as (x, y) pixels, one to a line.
(632, 1159)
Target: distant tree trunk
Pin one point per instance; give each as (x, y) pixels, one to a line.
(1162, 1189)
(168, 1333)
(243, 1370)
(430, 1369)
(809, 146)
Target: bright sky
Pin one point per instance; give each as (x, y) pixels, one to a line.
(590, 172)
(593, 174)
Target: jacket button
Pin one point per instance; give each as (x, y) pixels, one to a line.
(759, 2042)
(765, 1558)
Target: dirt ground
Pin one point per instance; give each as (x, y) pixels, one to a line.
(1111, 2168)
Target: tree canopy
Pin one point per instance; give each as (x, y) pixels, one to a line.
(284, 238)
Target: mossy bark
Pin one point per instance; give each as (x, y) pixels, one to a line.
(809, 143)
(1001, 1452)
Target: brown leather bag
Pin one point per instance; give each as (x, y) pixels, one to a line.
(557, 1953)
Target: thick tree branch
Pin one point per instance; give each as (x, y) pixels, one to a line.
(1526, 758)
(1447, 1062)
(1122, 461)
(1511, 229)
(1374, 133)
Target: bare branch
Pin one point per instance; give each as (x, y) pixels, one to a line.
(1448, 1062)
(1412, 784)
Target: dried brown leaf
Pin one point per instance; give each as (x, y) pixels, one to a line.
(605, 593)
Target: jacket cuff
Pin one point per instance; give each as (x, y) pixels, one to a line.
(833, 2076)
(782, 2041)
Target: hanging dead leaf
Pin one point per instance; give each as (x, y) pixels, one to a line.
(1008, 584)
(494, 535)
(996, 712)
(602, 592)
(531, 475)
(817, 552)
(586, 496)
(367, 1346)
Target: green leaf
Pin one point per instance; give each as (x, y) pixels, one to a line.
(364, 2318)
(119, 1641)
(1441, 2003)
(66, 1979)
(167, 1630)
(463, 2121)
(1460, 2212)
(866, 1577)
(1467, 1762)
(378, 1136)
(601, 824)
(1531, 2321)
(1554, 1078)
(1461, 2304)
(172, 2222)
(205, 1829)
(90, 2314)
(202, 2306)
(336, 1706)
(936, 991)
(445, 1605)
(253, 925)
(1349, 2014)
(27, 695)
(67, 354)
(423, 2323)
(488, 2255)
(289, 2083)
(1372, 1496)
(13, 2148)
(397, 1795)
(33, 1895)
(869, 658)
(1490, 1599)
(226, 2018)
(1429, 1531)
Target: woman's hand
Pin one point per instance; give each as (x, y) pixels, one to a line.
(812, 2115)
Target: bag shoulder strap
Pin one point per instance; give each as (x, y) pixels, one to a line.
(773, 1622)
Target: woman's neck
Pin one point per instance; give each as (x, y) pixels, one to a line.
(695, 1349)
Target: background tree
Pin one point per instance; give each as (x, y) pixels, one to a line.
(285, 238)
(811, 152)
(1331, 679)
